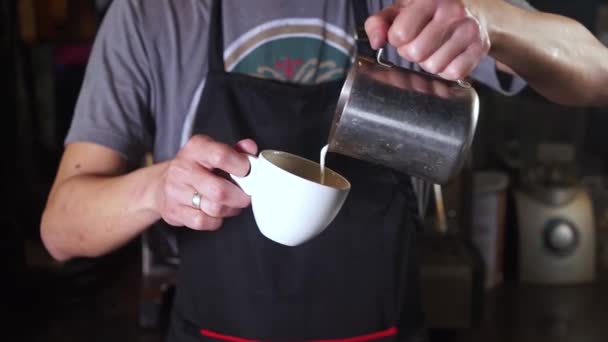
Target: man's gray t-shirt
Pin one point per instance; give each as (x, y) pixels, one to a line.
(149, 61)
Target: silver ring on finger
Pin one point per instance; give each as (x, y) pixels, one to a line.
(196, 201)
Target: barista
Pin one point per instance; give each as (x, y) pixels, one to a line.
(191, 80)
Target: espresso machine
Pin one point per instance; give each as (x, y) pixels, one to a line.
(556, 229)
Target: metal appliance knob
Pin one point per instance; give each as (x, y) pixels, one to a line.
(561, 237)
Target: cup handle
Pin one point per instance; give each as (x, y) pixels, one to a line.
(247, 182)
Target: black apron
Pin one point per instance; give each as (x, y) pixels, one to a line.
(355, 281)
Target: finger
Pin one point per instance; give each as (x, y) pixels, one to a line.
(215, 209)
(185, 178)
(464, 64)
(432, 37)
(412, 19)
(377, 26)
(215, 155)
(193, 218)
(441, 58)
(247, 146)
(464, 36)
(218, 189)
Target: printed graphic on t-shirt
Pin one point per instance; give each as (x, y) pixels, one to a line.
(295, 50)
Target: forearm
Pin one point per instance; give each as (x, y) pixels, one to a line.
(89, 215)
(557, 56)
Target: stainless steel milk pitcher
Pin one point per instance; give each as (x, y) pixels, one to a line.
(410, 121)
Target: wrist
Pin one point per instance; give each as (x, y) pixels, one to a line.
(149, 190)
(506, 24)
(490, 15)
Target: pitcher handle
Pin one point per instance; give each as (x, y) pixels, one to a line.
(382, 62)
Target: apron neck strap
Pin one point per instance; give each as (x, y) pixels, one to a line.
(361, 14)
(215, 48)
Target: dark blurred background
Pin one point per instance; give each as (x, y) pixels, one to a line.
(482, 280)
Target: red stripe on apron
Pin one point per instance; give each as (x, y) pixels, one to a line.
(228, 338)
(392, 331)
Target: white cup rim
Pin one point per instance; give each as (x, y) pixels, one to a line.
(346, 184)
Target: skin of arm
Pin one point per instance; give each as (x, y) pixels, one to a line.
(96, 205)
(557, 56)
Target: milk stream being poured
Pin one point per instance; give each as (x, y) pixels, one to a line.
(322, 162)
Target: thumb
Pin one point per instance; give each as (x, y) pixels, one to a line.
(378, 24)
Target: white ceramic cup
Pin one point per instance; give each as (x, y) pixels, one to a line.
(289, 203)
